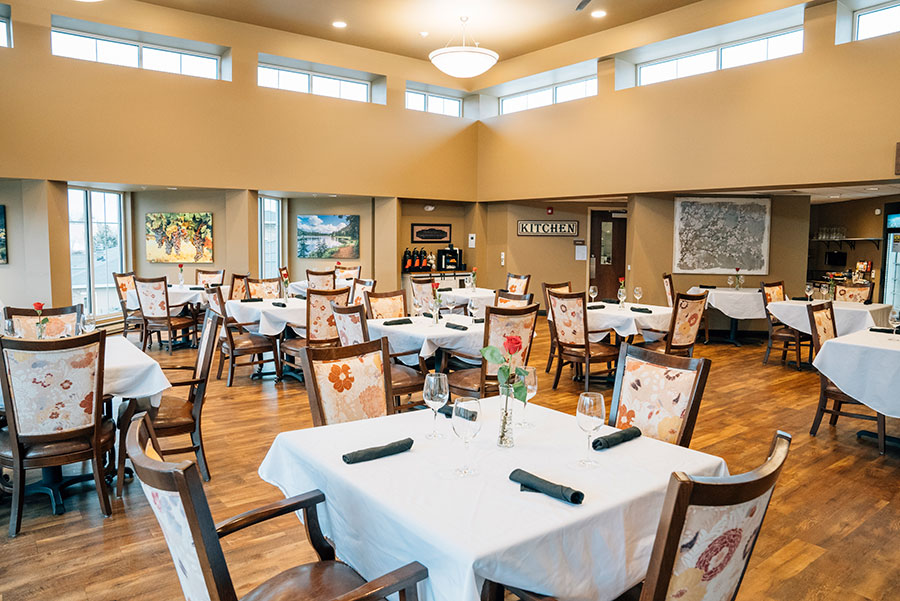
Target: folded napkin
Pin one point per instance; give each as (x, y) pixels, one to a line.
(447, 411)
(532, 483)
(803, 298)
(882, 330)
(392, 448)
(251, 300)
(611, 440)
(706, 287)
(428, 315)
(168, 285)
(611, 301)
(455, 326)
(593, 307)
(196, 288)
(398, 322)
(478, 320)
(447, 289)
(641, 310)
(303, 296)
(277, 304)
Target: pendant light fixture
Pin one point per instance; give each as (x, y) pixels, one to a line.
(463, 61)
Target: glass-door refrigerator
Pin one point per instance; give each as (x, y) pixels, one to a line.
(890, 278)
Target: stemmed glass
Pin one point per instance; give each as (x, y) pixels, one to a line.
(638, 293)
(466, 422)
(824, 290)
(894, 319)
(809, 292)
(473, 307)
(10, 328)
(593, 292)
(531, 386)
(731, 281)
(417, 306)
(622, 295)
(436, 393)
(88, 323)
(740, 281)
(590, 416)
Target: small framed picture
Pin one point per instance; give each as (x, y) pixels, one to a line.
(430, 232)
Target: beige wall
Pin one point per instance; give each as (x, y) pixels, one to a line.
(454, 213)
(21, 262)
(337, 206)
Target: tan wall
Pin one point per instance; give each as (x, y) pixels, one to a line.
(313, 206)
(456, 214)
(21, 262)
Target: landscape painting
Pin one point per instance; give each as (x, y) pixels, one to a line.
(3, 258)
(179, 237)
(328, 236)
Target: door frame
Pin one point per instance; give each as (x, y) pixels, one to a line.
(888, 209)
(615, 206)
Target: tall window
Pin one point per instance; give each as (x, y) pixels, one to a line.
(878, 20)
(312, 83)
(96, 247)
(269, 236)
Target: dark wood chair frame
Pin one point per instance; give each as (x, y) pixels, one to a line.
(838, 397)
(310, 355)
(281, 290)
(683, 349)
(701, 366)
(791, 339)
(311, 272)
(237, 276)
(164, 324)
(361, 282)
(545, 286)
(287, 351)
(580, 355)
(131, 319)
(78, 310)
(705, 321)
(373, 294)
(218, 272)
(525, 277)
(506, 295)
(96, 451)
(183, 478)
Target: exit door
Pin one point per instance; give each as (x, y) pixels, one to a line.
(890, 279)
(607, 252)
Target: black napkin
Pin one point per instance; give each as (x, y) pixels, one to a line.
(641, 310)
(429, 315)
(303, 296)
(611, 301)
(706, 287)
(447, 289)
(447, 411)
(196, 288)
(478, 320)
(593, 307)
(882, 330)
(398, 322)
(168, 285)
(803, 298)
(532, 483)
(277, 304)
(455, 326)
(392, 448)
(251, 300)
(611, 440)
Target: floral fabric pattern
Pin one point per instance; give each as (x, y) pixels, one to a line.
(265, 289)
(774, 294)
(687, 321)
(359, 292)
(557, 289)
(321, 323)
(238, 288)
(351, 389)
(851, 294)
(209, 279)
(511, 303)
(349, 328)
(824, 325)
(502, 326)
(57, 326)
(387, 307)
(124, 283)
(53, 391)
(153, 298)
(568, 315)
(320, 282)
(654, 398)
(517, 285)
(347, 273)
(714, 548)
(670, 296)
(169, 511)
(423, 292)
(213, 299)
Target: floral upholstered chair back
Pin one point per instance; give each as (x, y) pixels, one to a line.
(153, 298)
(669, 287)
(568, 318)
(320, 324)
(851, 294)
(350, 324)
(510, 300)
(124, 283)
(320, 280)
(215, 301)
(517, 284)
(501, 327)
(687, 320)
(350, 388)
(57, 326)
(347, 273)
(422, 291)
(822, 318)
(389, 306)
(360, 287)
(238, 287)
(774, 292)
(209, 278)
(654, 398)
(269, 288)
(566, 288)
(55, 391)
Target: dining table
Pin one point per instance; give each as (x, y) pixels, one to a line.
(474, 531)
(483, 297)
(272, 318)
(179, 294)
(301, 286)
(428, 338)
(848, 317)
(628, 319)
(735, 303)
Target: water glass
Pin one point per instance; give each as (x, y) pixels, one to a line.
(894, 319)
(824, 290)
(417, 306)
(9, 326)
(622, 295)
(436, 393)
(731, 281)
(473, 307)
(593, 292)
(590, 417)
(88, 323)
(809, 292)
(466, 422)
(638, 293)
(530, 380)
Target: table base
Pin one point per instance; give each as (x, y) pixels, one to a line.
(889, 441)
(52, 484)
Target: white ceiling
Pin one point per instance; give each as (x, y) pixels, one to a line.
(823, 195)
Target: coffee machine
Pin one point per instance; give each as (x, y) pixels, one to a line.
(449, 259)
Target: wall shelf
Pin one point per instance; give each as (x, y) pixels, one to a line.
(851, 242)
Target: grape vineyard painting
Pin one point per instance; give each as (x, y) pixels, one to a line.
(328, 236)
(179, 237)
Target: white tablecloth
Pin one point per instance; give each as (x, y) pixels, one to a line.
(626, 322)
(461, 296)
(746, 303)
(178, 295)
(848, 317)
(423, 334)
(130, 373)
(271, 319)
(300, 287)
(409, 507)
(865, 365)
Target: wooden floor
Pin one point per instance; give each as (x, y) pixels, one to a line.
(832, 531)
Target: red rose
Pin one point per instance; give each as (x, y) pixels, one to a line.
(435, 285)
(737, 268)
(474, 269)
(512, 344)
(180, 265)
(38, 306)
(621, 280)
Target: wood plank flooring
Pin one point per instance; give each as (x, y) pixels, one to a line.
(831, 533)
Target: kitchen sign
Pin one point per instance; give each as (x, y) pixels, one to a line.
(548, 228)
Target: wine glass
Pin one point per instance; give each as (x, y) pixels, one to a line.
(88, 323)
(590, 416)
(466, 422)
(531, 386)
(622, 295)
(436, 393)
(894, 319)
(740, 281)
(417, 306)
(593, 292)
(638, 293)
(809, 292)
(824, 290)
(10, 328)
(473, 307)
(731, 281)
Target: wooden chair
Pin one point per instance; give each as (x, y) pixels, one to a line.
(321, 330)
(209, 277)
(320, 280)
(238, 286)
(422, 291)
(561, 287)
(658, 393)
(572, 337)
(359, 289)
(176, 415)
(790, 338)
(131, 318)
(669, 287)
(860, 293)
(347, 273)
(503, 298)
(499, 322)
(385, 305)
(517, 284)
(706, 534)
(62, 322)
(822, 326)
(54, 420)
(285, 274)
(684, 326)
(405, 380)
(348, 383)
(267, 288)
(236, 341)
(176, 496)
(153, 298)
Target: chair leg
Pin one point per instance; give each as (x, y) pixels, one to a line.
(797, 349)
(784, 352)
(768, 350)
(881, 433)
(171, 339)
(559, 367)
(230, 371)
(221, 364)
(838, 405)
(550, 357)
(587, 373)
(18, 500)
(120, 462)
(100, 483)
(820, 411)
(706, 327)
(145, 338)
(197, 441)
(277, 360)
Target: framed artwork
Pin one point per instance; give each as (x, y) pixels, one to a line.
(430, 232)
(179, 237)
(328, 236)
(717, 234)
(3, 256)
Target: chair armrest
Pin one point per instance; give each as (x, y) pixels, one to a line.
(411, 352)
(187, 382)
(528, 596)
(449, 352)
(267, 512)
(165, 367)
(401, 579)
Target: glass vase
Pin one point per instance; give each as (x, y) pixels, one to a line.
(181, 278)
(505, 439)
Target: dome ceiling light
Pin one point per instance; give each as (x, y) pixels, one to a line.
(463, 61)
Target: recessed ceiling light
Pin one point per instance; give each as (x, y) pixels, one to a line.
(424, 34)
(835, 196)
(332, 195)
(339, 24)
(598, 14)
(170, 188)
(872, 189)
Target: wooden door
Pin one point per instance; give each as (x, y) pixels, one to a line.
(607, 252)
